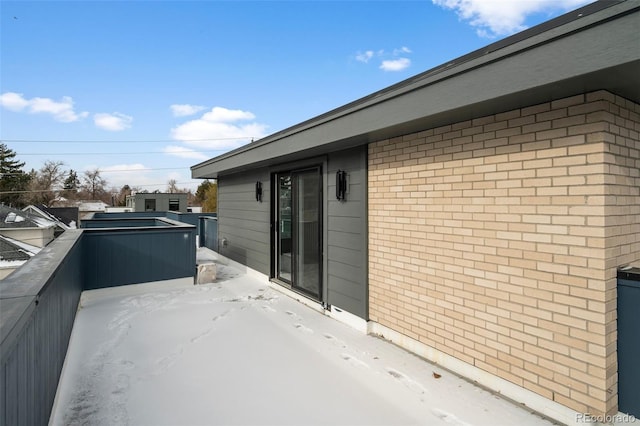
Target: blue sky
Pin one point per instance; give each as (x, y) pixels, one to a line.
(145, 89)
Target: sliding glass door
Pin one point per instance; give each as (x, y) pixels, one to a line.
(298, 230)
(284, 258)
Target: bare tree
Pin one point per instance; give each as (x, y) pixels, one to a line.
(120, 195)
(46, 181)
(172, 186)
(52, 174)
(94, 184)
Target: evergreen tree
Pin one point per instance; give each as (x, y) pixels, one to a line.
(210, 203)
(124, 192)
(207, 196)
(202, 190)
(13, 180)
(71, 185)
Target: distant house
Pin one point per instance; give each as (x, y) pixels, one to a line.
(65, 218)
(476, 214)
(118, 209)
(85, 207)
(13, 254)
(21, 226)
(160, 202)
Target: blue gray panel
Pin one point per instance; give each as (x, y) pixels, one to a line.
(121, 257)
(35, 330)
(628, 342)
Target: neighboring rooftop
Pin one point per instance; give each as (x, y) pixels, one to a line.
(65, 217)
(14, 218)
(13, 250)
(14, 254)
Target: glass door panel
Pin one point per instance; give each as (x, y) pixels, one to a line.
(307, 214)
(284, 261)
(298, 229)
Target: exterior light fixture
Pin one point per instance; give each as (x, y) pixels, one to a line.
(259, 191)
(341, 185)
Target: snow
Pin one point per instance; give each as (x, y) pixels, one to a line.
(238, 352)
(27, 248)
(12, 217)
(13, 264)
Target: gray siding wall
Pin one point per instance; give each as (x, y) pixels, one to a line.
(346, 233)
(242, 221)
(246, 224)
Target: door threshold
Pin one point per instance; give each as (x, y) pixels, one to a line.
(286, 288)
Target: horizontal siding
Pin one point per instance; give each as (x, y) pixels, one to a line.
(347, 256)
(250, 225)
(345, 224)
(242, 221)
(346, 234)
(348, 290)
(350, 208)
(344, 239)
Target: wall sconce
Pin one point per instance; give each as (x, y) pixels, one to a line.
(341, 185)
(259, 191)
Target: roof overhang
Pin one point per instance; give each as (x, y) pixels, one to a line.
(593, 48)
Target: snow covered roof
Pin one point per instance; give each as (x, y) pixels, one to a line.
(92, 206)
(53, 215)
(14, 218)
(14, 252)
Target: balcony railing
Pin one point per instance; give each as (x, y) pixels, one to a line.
(38, 302)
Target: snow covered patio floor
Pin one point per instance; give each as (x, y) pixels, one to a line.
(238, 352)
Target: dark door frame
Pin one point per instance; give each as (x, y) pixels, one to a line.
(275, 227)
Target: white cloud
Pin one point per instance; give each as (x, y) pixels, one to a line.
(219, 114)
(61, 111)
(113, 122)
(182, 110)
(503, 17)
(393, 61)
(183, 152)
(364, 56)
(220, 129)
(395, 64)
(13, 101)
(401, 51)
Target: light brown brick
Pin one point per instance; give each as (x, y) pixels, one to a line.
(486, 241)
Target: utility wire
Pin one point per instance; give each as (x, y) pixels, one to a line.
(122, 153)
(62, 190)
(108, 171)
(127, 141)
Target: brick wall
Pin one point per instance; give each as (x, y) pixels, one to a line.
(496, 241)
